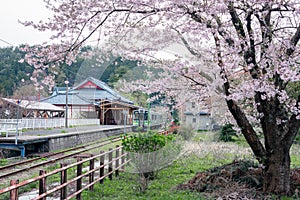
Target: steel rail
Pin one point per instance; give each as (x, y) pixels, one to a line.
(103, 143)
(46, 156)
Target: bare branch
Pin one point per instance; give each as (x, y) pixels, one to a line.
(83, 27)
(294, 40)
(222, 32)
(187, 45)
(236, 22)
(75, 45)
(193, 80)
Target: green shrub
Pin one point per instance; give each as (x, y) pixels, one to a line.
(148, 152)
(227, 133)
(3, 162)
(145, 142)
(24, 130)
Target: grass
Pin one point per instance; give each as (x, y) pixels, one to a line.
(3, 162)
(25, 188)
(127, 185)
(207, 155)
(25, 130)
(295, 156)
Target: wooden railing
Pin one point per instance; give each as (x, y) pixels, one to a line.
(110, 162)
(165, 132)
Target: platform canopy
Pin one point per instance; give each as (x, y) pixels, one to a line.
(28, 108)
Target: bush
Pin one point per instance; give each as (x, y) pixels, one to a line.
(148, 153)
(186, 132)
(227, 133)
(145, 142)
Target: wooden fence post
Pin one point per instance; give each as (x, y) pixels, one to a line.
(14, 193)
(117, 160)
(110, 169)
(122, 159)
(91, 175)
(79, 181)
(101, 170)
(63, 179)
(42, 184)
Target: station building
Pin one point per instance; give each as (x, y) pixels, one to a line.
(93, 98)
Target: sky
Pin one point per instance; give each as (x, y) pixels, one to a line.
(12, 33)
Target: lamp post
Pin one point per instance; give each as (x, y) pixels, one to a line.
(125, 112)
(17, 125)
(66, 112)
(148, 117)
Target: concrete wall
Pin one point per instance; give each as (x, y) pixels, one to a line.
(73, 139)
(198, 122)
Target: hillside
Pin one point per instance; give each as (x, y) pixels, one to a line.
(15, 76)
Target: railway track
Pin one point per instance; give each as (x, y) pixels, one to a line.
(30, 164)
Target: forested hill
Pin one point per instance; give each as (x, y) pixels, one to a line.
(15, 76)
(12, 73)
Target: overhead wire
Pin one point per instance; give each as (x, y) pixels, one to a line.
(6, 42)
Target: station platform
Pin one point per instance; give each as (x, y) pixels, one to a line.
(60, 138)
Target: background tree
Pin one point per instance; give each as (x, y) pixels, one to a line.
(253, 45)
(12, 72)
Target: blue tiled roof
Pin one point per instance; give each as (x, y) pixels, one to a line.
(106, 93)
(203, 113)
(85, 96)
(188, 113)
(73, 99)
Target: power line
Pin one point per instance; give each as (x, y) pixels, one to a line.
(6, 42)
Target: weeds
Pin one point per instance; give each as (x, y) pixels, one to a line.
(3, 162)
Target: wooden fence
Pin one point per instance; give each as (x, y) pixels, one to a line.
(110, 162)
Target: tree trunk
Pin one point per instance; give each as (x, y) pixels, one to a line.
(277, 172)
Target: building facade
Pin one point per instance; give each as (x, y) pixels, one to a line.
(196, 118)
(93, 98)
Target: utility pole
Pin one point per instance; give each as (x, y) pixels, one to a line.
(66, 112)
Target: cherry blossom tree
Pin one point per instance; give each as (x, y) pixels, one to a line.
(247, 51)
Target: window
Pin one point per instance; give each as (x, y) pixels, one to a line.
(135, 115)
(193, 105)
(194, 120)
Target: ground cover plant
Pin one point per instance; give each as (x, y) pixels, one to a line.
(150, 152)
(162, 187)
(207, 170)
